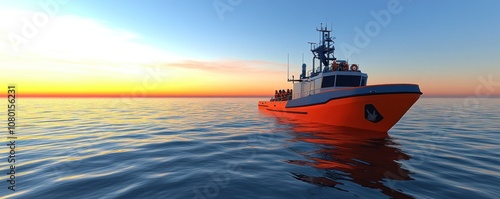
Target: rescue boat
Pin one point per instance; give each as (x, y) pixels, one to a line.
(336, 93)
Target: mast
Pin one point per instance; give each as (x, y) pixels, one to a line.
(288, 67)
(325, 49)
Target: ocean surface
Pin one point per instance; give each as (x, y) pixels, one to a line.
(226, 148)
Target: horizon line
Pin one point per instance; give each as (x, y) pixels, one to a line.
(193, 96)
(127, 96)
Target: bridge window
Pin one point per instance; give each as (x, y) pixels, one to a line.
(348, 80)
(328, 81)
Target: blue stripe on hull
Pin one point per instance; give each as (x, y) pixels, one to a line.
(322, 98)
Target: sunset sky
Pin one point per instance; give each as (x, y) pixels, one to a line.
(240, 47)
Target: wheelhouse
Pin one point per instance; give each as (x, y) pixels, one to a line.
(329, 73)
(324, 82)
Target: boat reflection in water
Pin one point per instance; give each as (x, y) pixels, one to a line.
(369, 159)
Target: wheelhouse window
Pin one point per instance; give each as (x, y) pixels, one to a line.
(328, 81)
(363, 81)
(348, 80)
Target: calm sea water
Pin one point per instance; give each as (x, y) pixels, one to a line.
(226, 148)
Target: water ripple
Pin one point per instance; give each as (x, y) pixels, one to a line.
(225, 148)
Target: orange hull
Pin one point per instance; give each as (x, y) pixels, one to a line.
(354, 112)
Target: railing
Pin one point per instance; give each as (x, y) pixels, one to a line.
(306, 93)
(315, 91)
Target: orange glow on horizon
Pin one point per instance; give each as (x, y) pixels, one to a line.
(128, 95)
(252, 93)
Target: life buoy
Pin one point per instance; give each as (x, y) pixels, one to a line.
(354, 67)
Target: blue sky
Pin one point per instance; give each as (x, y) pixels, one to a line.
(452, 39)
(271, 29)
